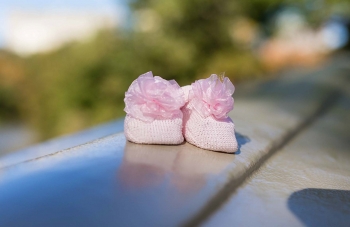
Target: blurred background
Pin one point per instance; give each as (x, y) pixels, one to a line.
(66, 64)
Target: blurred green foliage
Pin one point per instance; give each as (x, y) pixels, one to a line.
(83, 84)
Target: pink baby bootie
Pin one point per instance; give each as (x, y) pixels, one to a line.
(153, 107)
(206, 123)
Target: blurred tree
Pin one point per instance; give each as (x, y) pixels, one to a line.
(11, 74)
(204, 27)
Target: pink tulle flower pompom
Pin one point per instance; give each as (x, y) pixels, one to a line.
(153, 98)
(213, 96)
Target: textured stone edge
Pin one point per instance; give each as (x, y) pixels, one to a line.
(236, 179)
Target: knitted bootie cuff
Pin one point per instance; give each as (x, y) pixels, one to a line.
(153, 111)
(156, 132)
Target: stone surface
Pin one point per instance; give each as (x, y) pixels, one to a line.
(61, 143)
(307, 183)
(112, 182)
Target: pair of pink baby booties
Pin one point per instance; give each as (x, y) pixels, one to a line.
(162, 112)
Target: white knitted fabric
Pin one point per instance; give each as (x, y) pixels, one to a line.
(156, 132)
(208, 133)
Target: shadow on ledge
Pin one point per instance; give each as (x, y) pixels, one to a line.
(321, 207)
(241, 140)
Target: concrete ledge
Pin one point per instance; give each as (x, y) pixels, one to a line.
(307, 183)
(269, 116)
(112, 182)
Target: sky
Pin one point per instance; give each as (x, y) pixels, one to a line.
(107, 6)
